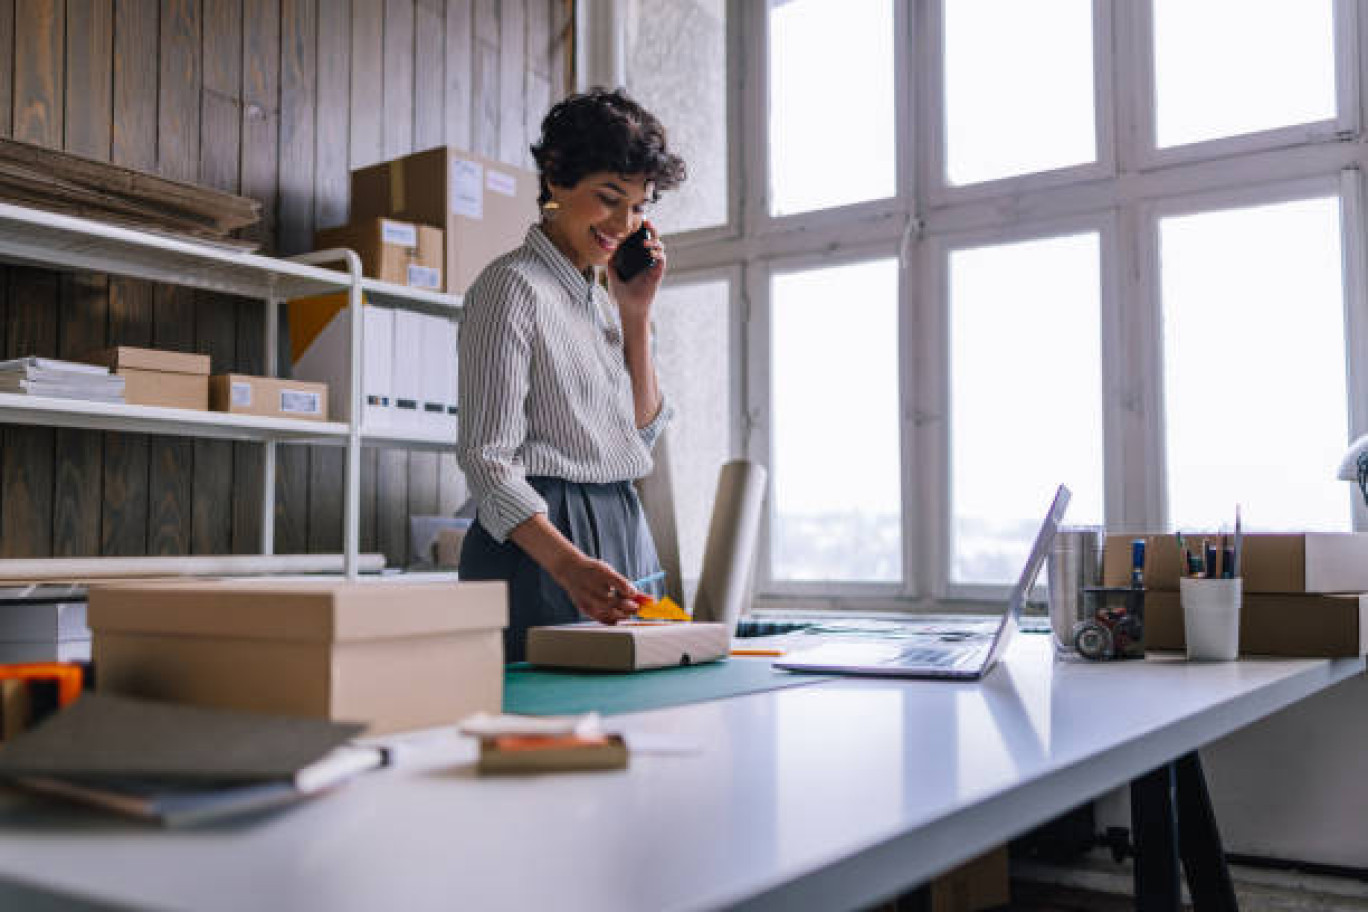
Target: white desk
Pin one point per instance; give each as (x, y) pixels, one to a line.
(828, 796)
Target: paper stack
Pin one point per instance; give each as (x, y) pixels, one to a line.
(34, 376)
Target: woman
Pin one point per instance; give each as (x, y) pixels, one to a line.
(559, 401)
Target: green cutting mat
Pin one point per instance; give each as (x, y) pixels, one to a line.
(544, 692)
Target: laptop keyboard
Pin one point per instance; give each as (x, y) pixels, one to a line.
(922, 655)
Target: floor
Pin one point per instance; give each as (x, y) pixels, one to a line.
(1098, 884)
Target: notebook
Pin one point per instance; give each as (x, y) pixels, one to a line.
(963, 660)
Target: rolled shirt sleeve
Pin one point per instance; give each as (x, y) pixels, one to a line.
(652, 430)
(494, 369)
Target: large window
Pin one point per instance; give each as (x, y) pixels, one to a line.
(983, 247)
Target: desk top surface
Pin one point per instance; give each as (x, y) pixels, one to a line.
(825, 796)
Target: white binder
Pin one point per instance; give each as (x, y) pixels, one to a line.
(408, 362)
(328, 360)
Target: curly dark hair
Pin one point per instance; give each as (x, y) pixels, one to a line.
(601, 130)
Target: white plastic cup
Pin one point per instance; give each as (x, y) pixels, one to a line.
(1211, 618)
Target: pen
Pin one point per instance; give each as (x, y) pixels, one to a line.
(1235, 558)
(1209, 551)
(757, 652)
(647, 580)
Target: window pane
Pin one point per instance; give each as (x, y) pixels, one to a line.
(831, 104)
(1025, 397)
(677, 67)
(834, 388)
(1018, 88)
(1226, 67)
(1254, 366)
(693, 359)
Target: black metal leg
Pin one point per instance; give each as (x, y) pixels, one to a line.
(1199, 841)
(1154, 827)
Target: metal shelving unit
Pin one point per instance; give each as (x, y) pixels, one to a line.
(52, 241)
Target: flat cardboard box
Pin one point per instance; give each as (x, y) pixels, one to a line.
(1324, 562)
(273, 397)
(393, 655)
(1290, 624)
(167, 379)
(483, 206)
(630, 646)
(405, 253)
(979, 884)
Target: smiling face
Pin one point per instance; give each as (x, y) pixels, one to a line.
(596, 215)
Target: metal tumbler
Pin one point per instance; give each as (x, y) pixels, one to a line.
(1075, 563)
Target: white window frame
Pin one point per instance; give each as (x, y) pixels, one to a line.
(1119, 196)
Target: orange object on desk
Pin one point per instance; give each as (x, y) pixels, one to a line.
(67, 676)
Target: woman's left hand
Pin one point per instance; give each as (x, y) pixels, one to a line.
(634, 298)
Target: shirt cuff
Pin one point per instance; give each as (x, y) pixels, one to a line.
(508, 507)
(652, 431)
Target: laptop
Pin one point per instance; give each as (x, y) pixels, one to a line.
(965, 660)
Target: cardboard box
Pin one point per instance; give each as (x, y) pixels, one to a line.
(1290, 624)
(975, 885)
(1325, 562)
(395, 656)
(162, 378)
(320, 349)
(242, 394)
(404, 253)
(484, 207)
(627, 646)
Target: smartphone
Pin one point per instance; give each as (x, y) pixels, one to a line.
(632, 258)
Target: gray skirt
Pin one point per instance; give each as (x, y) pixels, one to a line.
(604, 521)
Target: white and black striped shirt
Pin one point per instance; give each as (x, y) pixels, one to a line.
(544, 388)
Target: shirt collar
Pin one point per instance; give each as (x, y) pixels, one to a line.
(541, 245)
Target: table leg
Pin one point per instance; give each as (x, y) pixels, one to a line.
(1199, 841)
(1171, 817)
(1154, 826)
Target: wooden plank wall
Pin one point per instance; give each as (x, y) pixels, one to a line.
(274, 99)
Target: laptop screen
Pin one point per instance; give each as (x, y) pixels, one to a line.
(1044, 538)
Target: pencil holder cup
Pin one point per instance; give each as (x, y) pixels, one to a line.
(1211, 618)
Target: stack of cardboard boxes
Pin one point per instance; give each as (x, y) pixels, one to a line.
(431, 220)
(171, 379)
(1304, 594)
